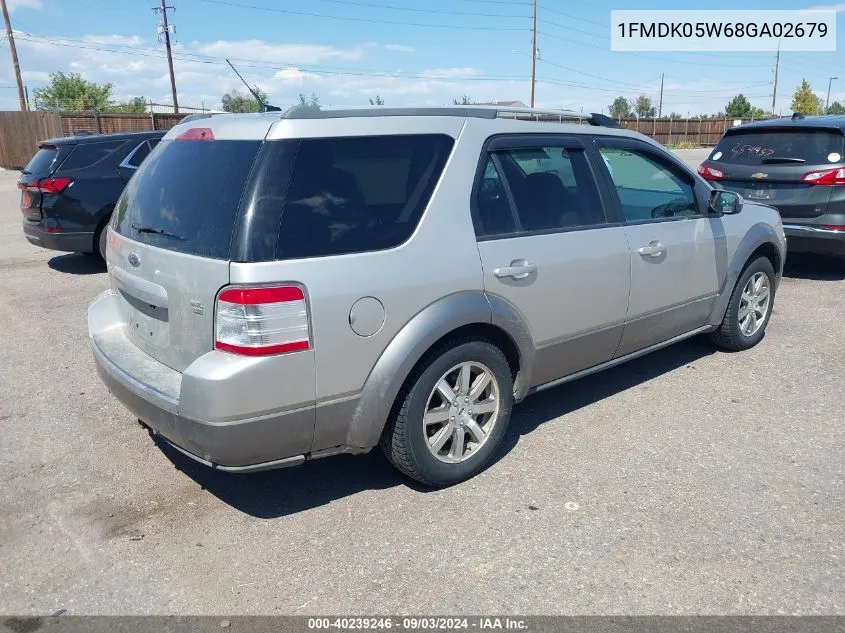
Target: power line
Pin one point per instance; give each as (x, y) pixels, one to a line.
(357, 19)
(418, 10)
(574, 17)
(314, 70)
(632, 54)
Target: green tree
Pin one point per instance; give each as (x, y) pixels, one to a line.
(377, 101)
(133, 105)
(236, 101)
(805, 100)
(309, 102)
(644, 108)
(739, 107)
(835, 108)
(72, 92)
(620, 108)
(463, 100)
(675, 115)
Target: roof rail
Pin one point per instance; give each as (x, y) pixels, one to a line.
(537, 114)
(469, 111)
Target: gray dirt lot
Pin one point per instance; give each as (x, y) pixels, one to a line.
(689, 481)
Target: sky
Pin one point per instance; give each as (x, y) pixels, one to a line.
(409, 52)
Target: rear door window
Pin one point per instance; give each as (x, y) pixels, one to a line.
(91, 155)
(137, 156)
(552, 189)
(185, 196)
(814, 147)
(356, 194)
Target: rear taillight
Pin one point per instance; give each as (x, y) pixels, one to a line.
(54, 185)
(262, 321)
(826, 177)
(833, 227)
(47, 185)
(710, 173)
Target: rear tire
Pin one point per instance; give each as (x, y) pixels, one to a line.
(438, 440)
(749, 307)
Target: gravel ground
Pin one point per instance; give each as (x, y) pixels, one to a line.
(690, 481)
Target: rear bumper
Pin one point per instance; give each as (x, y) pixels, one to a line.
(802, 238)
(152, 392)
(69, 242)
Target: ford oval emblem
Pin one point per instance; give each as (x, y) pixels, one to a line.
(134, 260)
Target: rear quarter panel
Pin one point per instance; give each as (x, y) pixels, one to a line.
(440, 259)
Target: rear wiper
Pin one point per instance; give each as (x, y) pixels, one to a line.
(157, 231)
(771, 160)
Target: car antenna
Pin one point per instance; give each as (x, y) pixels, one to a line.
(262, 106)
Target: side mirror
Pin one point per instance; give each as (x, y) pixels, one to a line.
(725, 202)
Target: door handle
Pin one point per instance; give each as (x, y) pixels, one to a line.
(519, 269)
(654, 249)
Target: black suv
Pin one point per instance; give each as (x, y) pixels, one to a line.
(70, 187)
(796, 165)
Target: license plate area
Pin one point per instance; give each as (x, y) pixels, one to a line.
(147, 324)
(761, 192)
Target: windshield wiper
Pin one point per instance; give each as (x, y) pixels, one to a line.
(771, 160)
(157, 231)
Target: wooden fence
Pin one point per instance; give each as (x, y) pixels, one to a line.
(98, 123)
(20, 133)
(674, 131)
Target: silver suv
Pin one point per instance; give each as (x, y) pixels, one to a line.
(287, 287)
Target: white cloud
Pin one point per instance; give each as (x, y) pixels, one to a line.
(35, 76)
(13, 5)
(281, 54)
(400, 48)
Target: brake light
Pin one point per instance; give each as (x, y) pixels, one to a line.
(834, 227)
(196, 134)
(262, 321)
(710, 173)
(834, 176)
(46, 185)
(54, 185)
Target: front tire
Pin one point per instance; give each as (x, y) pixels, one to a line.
(452, 413)
(749, 307)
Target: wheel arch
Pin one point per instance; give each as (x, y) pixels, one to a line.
(460, 314)
(760, 240)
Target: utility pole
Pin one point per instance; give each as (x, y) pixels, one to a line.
(165, 28)
(534, 56)
(827, 101)
(775, 91)
(660, 106)
(14, 51)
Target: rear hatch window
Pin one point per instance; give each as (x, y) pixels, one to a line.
(813, 147)
(42, 164)
(185, 196)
